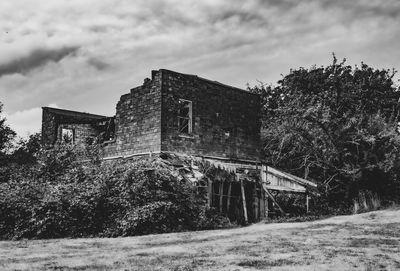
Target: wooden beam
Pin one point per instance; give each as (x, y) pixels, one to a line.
(244, 201)
(221, 195)
(273, 199)
(262, 204)
(228, 200)
(255, 202)
(266, 182)
(210, 188)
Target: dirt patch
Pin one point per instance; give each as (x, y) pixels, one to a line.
(262, 264)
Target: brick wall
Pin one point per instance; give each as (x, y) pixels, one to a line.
(226, 120)
(83, 124)
(138, 120)
(49, 127)
(81, 132)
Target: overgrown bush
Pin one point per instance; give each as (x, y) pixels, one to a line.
(292, 203)
(337, 125)
(67, 195)
(366, 201)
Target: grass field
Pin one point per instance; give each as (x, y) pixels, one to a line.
(369, 241)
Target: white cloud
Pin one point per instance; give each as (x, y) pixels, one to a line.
(118, 43)
(26, 122)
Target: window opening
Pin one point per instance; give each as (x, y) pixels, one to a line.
(67, 135)
(185, 116)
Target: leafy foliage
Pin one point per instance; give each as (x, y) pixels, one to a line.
(65, 194)
(26, 150)
(6, 137)
(336, 125)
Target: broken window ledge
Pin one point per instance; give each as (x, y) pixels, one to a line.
(109, 141)
(186, 136)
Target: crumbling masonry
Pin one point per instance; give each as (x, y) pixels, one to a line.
(186, 115)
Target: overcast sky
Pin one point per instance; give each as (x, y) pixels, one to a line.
(84, 54)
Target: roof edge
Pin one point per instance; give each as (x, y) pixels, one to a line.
(211, 81)
(61, 111)
(291, 177)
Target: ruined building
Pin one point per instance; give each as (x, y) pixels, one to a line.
(185, 115)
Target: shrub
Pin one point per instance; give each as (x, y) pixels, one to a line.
(61, 196)
(366, 201)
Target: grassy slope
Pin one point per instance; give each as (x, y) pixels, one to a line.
(369, 241)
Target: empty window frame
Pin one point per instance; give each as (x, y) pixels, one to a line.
(67, 136)
(185, 118)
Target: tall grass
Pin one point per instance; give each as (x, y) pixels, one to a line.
(366, 201)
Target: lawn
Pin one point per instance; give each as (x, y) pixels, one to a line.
(369, 241)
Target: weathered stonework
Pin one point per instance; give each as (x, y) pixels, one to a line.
(85, 125)
(225, 120)
(174, 114)
(138, 120)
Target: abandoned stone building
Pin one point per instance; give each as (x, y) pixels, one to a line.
(186, 115)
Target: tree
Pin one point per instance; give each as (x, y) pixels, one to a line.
(26, 150)
(335, 124)
(6, 136)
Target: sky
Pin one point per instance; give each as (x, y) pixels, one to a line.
(84, 54)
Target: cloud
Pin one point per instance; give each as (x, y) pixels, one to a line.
(360, 8)
(27, 121)
(97, 63)
(35, 59)
(86, 54)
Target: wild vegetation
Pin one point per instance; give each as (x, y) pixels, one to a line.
(336, 125)
(62, 196)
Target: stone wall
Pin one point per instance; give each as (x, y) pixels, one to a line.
(49, 127)
(82, 132)
(84, 125)
(226, 120)
(138, 120)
